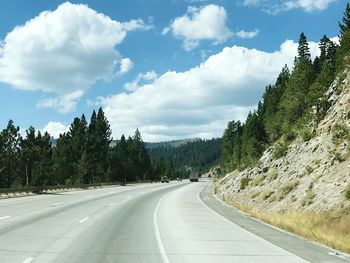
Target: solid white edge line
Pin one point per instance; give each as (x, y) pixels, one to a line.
(4, 217)
(28, 260)
(156, 228)
(84, 219)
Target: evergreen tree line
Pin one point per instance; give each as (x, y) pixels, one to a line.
(82, 155)
(179, 161)
(292, 106)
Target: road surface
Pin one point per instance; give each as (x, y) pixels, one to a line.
(140, 223)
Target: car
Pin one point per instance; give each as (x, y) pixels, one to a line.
(165, 179)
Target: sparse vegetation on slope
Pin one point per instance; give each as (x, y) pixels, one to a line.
(298, 177)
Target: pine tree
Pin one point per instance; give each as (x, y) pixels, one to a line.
(9, 167)
(345, 25)
(83, 169)
(232, 146)
(103, 136)
(271, 104)
(127, 156)
(91, 149)
(28, 155)
(294, 102)
(118, 161)
(142, 160)
(317, 65)
(303, 49)
(97, 147)
(343, 51)
(328, 50)
(41, 173)
(77, 141)
(170, 170)
(62, 156)
(253, 139)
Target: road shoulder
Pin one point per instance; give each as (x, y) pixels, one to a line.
(308, 250)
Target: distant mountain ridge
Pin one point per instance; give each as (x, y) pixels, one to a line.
(150, 145)
(174, 143)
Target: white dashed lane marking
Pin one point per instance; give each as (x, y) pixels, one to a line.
(84, 219)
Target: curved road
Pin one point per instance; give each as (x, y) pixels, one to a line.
(139, 223)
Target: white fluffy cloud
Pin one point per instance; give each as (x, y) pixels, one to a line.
(247, 34)
(63, 103)
(206, 23)
(126, 65)
(55, 128)
(135, 84)
(64, 51)
(200, 101)
(278, 6)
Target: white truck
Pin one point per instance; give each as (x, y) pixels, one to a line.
(194, 176)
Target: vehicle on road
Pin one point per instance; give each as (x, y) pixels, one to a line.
(194, 176)
(165, 179)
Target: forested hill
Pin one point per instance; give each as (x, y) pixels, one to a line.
(197, 154)
(175, 143)
(291, 107)
(289, 162)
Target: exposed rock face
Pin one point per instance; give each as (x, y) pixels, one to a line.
(313, 175)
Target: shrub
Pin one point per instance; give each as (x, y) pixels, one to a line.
(272, 175)
(293, 198)
(273, 198)
(254, 194)
(257, 180)
(317, 162)
(244, 182)
(267, 193)
(339, 132)
(347, 193)
(306, 135)
(309, 169)
(338, 157)
(286, 189)
(279, 150)
(347, 154)
(308, 198)
(289, 136)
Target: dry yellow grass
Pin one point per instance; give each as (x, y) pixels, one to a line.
(331, 231)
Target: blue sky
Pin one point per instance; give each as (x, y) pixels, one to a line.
(174, 69)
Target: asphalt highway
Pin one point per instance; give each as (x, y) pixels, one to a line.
(138, 223)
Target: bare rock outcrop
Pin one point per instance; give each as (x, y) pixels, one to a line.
(313, 175)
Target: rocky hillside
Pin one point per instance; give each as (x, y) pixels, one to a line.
(312, 173)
